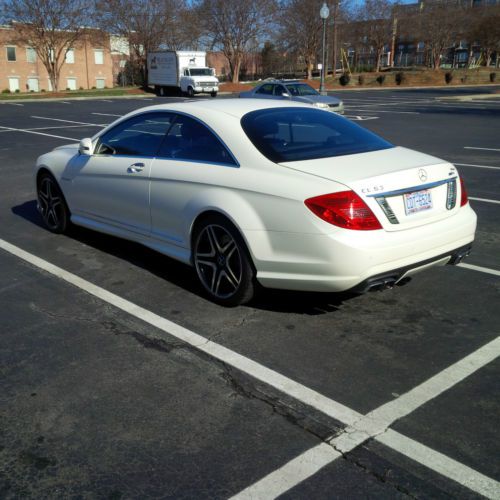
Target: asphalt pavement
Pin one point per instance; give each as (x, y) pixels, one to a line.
(120, 380)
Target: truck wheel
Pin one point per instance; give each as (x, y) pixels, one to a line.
(190, 92)
(162, 91)
(213, 94)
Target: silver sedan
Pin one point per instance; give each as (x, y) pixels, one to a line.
(294, 91)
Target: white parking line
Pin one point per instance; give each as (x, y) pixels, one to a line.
(13, 103)
(360, 428)
(54, 127)
(441, 464)
(477, 166)
(38, 133)
(376, 425)
(485, 200)
(289, 475)
(64, 102)
(106, 114)
(68, 121)
(482, 149)
(363, 110)
(360, 118)
(481, 269)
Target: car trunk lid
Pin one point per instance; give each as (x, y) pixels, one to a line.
(402, 187)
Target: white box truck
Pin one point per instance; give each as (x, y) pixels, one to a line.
(182, 69)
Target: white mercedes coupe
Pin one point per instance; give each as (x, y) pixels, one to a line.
(254, 191)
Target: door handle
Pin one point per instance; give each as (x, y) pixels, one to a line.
(135, 168)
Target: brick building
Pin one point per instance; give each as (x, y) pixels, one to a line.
(87, 65)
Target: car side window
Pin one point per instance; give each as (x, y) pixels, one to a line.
(189, 139)
(140, 135)
(279, 90)
(266, 89)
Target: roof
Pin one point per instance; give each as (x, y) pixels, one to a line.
(236, 107)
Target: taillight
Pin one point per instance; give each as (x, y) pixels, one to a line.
(345, 209)
(464, 198)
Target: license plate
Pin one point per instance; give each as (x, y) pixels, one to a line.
(417, 201)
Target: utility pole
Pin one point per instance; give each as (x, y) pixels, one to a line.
(393, 44)
(335, 11)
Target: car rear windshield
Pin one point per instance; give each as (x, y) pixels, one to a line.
(297, 134)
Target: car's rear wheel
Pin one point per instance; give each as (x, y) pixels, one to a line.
(222, 262)
(52, 205)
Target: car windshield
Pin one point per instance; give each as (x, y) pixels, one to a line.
(296, 134)
(200, 72)
(299, 89)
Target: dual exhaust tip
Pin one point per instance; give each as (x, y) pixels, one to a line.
(388, 282)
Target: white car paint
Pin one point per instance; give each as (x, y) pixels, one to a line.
(290, 246)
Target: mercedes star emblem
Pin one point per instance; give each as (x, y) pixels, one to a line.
(422, 175)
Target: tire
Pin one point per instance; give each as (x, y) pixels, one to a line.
(161, 93)
(222, 262)
(190, 92)
(52, 205)
(213, 94)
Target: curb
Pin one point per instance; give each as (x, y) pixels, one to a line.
(76, 98)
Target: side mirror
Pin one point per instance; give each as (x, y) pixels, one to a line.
(285, 94)
(86, 147)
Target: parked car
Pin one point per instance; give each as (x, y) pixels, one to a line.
(296, 91)
(248, 190)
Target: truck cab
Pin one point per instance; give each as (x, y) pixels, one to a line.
(199, 80)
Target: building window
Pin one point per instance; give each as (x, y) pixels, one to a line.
(33, 85)
(100, 83)
(71, 83)
(99, 56)
(11, 54)
(14, 83)
(30, 55)
(70, 56)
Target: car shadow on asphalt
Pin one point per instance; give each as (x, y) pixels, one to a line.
(184, 276)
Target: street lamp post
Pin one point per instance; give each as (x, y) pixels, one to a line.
(323, 13)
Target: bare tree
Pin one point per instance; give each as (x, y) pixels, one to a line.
(438, 28)
(51, 27)
(234, 25)
(144, 23)
(301, 28)
(184, 28)
(486, 31)
(377, 15)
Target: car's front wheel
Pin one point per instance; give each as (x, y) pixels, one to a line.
(222, 262)
(52, 205)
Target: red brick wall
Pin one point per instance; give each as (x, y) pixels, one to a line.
(84, 69)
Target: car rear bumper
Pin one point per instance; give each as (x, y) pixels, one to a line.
(346, 260)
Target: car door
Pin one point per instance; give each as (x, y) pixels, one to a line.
(189, 161)
(111, 186)
(280, 92)
(265, 91)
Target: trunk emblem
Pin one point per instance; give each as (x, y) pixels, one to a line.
(422, 175)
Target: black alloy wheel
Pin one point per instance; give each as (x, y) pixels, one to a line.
(52, 205)
(222, 262)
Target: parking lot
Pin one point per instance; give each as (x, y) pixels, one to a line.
(120, 380)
